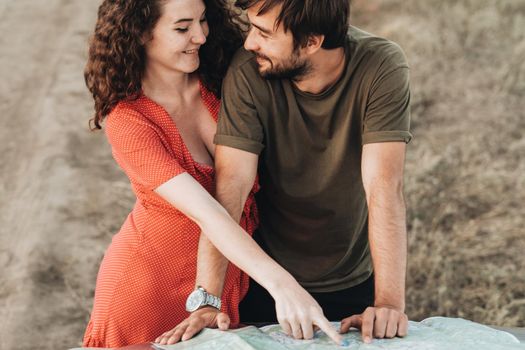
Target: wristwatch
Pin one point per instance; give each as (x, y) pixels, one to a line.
(200, 298)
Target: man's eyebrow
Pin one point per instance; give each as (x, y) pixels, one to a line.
(266, 31)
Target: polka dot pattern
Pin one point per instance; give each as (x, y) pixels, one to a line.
(150, 267)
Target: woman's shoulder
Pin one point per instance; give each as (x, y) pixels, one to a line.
(128, 112)
(128, 120)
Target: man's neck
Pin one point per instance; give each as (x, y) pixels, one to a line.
(327, 68)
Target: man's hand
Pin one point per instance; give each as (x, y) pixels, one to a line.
(379, 322)
(202, 318)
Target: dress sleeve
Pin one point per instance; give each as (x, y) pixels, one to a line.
(239, 125)
(140, 150)
(387, 116)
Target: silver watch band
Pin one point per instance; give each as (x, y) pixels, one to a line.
(211, 300)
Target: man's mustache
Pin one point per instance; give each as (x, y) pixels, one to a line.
(258, 55)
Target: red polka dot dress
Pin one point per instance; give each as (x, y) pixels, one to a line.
(150, 267)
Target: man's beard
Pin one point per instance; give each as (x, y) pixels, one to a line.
(293, 69)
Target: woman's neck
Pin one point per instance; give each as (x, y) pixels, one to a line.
(162, 86)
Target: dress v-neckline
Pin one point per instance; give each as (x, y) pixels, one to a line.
(185, 149)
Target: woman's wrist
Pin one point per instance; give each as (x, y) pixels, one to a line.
(277, 282)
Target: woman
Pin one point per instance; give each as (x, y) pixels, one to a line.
(154, 69)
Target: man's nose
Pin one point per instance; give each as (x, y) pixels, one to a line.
(250, 43)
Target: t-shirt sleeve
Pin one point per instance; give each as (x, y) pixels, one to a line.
(239, 125)
(387, 116)
(140, 151)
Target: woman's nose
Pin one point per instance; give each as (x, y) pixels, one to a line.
(199, 36)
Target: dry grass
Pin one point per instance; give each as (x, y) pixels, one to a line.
(465, 173)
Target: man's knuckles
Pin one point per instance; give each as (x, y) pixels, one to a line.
(379, 332)
(384, 312)
(391, 333)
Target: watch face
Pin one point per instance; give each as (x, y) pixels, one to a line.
(195, 300)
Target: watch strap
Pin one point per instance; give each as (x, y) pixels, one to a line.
(210, 299)
(213, 300)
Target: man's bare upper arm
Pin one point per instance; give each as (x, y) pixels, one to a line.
(236, 171)
(382, 165)
(236, 163)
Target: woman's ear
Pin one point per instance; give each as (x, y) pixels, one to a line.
(145, 37)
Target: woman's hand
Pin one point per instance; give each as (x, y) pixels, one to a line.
(298, 314)
(198, 320)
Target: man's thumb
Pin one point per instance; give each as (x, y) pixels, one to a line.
(223, 321)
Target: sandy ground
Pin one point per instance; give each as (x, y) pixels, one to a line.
(62, 197)
(58, 185)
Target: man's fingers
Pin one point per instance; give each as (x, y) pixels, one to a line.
(402, 326)
(349, 322)
(194, 324)
(223, 321)
(176, 336)
(190, 332)
(380, 322)
(327, 327)
(168, 336)
(367, 325)
(164, 337)
(193, 329)
(392, 324)
(161, 339)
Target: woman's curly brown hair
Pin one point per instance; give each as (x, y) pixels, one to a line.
(116, 58)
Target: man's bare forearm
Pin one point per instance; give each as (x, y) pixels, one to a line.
(211, 267)
(211, 264)
(388, 243)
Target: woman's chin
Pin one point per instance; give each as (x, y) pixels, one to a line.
(191, 68)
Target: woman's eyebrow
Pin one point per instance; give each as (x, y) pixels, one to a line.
(184, 20)
(188, 19)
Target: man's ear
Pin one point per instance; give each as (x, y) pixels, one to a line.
(314, 43)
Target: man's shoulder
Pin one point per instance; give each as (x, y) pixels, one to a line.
(244, 61)
(378, 50)
(243, 73)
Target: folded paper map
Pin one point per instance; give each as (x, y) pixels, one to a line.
(433, 333)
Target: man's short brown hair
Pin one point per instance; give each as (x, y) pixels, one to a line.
(309, 17)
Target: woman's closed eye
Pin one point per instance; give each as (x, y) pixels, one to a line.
(185, 29)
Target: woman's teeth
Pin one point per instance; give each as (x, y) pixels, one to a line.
(190, 51)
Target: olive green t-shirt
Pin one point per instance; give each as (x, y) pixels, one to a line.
(312, 205)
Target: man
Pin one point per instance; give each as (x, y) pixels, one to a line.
(322, 111)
